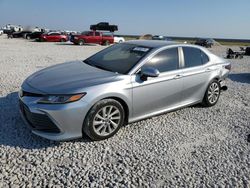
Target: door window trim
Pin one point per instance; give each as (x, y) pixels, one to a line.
(183, 59)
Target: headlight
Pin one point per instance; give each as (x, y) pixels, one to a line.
(61, 99)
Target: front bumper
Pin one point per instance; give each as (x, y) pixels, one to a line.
(54, 121)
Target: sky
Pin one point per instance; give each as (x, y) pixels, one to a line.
(183, 18)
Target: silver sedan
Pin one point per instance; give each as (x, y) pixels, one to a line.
(121, 84)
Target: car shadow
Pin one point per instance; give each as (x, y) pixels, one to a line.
(15, 133)
(241, 77)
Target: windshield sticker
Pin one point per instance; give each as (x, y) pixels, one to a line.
(140, 49)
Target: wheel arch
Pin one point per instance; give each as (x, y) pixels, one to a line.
(124, 105)
(117, 98)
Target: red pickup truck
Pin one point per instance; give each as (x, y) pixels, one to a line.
(94, 37)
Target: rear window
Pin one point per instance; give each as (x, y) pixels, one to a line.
(97, 34)
(107, 34)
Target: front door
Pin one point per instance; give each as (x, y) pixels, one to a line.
(163, 92)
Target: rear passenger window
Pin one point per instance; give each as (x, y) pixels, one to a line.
(192, 57)
(166, 60)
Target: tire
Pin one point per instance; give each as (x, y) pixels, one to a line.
(28, 37)
(98, 126)
(212, 94)
(106, 43)
(120, 41)
(62, 40)
(81, 42)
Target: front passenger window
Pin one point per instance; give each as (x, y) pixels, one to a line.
(166, 60)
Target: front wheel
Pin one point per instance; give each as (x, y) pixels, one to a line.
(104, 119)
(212, 94)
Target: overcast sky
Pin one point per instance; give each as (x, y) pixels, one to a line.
(193, 18)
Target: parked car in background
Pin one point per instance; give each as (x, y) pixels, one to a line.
(204, 42)
(160, 37)
(34, 35)
(9, 28)
(104, 26)
(53, 37)
(121, 84)
(247, 51)
(94, 37)
(118, 39)
(20, 34)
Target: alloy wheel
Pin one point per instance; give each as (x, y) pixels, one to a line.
(106, 120)
(213, 93)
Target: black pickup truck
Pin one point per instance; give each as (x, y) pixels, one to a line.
(104, 26)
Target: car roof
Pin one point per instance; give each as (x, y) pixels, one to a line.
(152, 43)
(53, 32)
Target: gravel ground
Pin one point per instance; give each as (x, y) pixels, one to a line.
(191, 147)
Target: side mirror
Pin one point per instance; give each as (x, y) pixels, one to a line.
(149, 72)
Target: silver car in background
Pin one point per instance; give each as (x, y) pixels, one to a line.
(121, 84)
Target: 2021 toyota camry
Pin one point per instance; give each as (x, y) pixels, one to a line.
(121, 84)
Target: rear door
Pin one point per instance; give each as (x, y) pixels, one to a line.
(160, 93)
(195, 74)
(57, 37)
(97, 38)
(91, 37)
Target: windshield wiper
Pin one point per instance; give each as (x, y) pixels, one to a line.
(87, 62)
(97, 66)
(100, 67)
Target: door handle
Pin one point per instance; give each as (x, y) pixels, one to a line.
(208, 70)
(177, 76)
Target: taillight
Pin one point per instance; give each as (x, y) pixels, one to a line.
(228, 67)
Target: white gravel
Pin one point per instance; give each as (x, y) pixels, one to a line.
(191, 147)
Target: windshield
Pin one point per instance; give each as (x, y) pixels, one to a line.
(120, 58)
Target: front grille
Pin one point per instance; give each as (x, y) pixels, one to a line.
(39, 122)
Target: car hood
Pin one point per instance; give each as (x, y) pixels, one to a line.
(66, 78)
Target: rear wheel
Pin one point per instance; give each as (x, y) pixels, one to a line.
(81, 42)
(106, 43)
(104, 119)
(212, 94)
